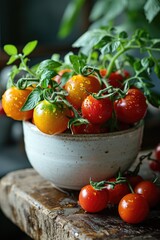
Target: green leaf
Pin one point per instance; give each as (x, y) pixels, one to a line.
(145, 62)
(10, 49)
(78, 62)
(157, 70)
(12, 59)
(46, 76)
(156, 43)
(65, 78)
(151, 9)
(111, 47)
(99, 9)
(154, 99)
(123, 35)
(32, 100)
(103, 42)
(14, 71)
(47, 64)
(56, 57)
(112, 11)
(90, 38)
(75, 62)
(67, 58)
(137, 65)
(29, 47)
(69, 17)
(130, 59)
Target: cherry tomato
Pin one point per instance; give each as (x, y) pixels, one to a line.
(155, 165)
(133, 208)
(92, 200)
(116, 193)
(149, 191)
(115, 79)
(79, 87)
(134, 180)
(89, 129)
(126, 74)
(97, 111)
(51, 118)
(13, 100)
(132, 108)
(2, 112)
(157, 152)
(58, 77)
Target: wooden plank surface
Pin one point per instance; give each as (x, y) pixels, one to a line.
(43, 212)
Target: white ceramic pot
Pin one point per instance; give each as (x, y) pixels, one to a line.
(69, 161)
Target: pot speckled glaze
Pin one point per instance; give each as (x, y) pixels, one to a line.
(69, 161)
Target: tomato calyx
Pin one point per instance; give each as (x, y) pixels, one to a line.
(98, 185)
(118, 180)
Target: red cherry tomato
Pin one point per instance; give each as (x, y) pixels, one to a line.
(132, 108)
(134, 180)
(97, 111)
(155, 166)
(89, 129)
(157, 152)
(2, 112)
(116, 193)
(149, 191)
(116, 78)
(133, 208)
(92, 200)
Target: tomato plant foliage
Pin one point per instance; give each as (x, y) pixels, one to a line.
(103, 50)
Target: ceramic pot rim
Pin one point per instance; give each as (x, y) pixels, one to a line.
(98, 135)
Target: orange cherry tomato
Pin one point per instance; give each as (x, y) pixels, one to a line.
(13, 100)
(51, 118)
(79, 87)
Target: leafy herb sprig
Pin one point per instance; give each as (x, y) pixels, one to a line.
(116, 50)
(98, 48)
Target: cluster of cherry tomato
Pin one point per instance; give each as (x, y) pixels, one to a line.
(133, 205)
(133, 195)
(90, 103)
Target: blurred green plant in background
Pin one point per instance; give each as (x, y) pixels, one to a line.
(127, 14)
